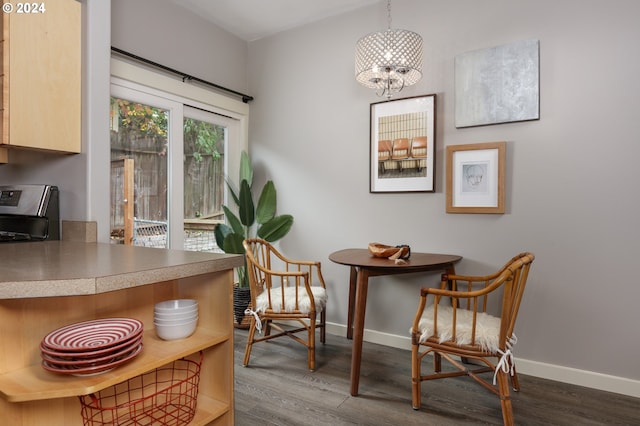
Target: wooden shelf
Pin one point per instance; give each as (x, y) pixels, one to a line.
(208, 410)
(35, 383)
(30, 395)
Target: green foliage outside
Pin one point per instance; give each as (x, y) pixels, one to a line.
(147, 121)
(204, 137)
(151, 122)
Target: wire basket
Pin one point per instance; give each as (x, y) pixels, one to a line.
(164, 396)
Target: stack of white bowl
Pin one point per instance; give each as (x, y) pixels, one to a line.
(175, 319)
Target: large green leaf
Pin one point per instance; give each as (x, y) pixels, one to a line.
(245, 174)
(233, 220)
(233, 243)
(276, 228)
(271, 227)
(266, 209)
(233, 191)
(246, 171)
(246, 208)
(220, 233)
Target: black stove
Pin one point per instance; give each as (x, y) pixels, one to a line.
(13, 236)
(29, 213)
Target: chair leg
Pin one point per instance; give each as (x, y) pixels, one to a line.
(505, 399)
(323, 321)
(515, 383)
(247, 351)
(437, 362)
(415, 377)
(312, 344)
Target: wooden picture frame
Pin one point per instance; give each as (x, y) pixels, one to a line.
(476, 178)
(402, 145)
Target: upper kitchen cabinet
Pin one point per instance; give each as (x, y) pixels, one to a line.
(41, 76)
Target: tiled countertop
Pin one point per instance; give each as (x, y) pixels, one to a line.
(64, 268)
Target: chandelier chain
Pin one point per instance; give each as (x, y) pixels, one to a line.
(389, 14)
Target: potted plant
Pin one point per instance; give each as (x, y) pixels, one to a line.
(252, 220)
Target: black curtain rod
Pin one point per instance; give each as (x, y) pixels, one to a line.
(185, 77)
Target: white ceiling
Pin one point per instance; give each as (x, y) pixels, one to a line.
(255, 19)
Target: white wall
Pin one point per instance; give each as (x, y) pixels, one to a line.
(174, 37)
(571, 193)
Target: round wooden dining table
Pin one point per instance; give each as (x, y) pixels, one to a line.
(362, 266)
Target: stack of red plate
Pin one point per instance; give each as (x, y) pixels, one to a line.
(91, 347)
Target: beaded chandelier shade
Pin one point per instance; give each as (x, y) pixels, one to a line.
(389, 60)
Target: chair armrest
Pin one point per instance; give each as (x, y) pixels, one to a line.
(449, 289)
(294, 261)
(488, 277)
(311, 275)
(313, 268)
(455, 293)
(457, 277)
(416, 320)
(303, 262)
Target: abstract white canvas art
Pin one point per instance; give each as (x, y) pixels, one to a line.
(498, 85)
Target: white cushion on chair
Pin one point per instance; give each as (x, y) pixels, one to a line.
(304, 304)
(487, 327)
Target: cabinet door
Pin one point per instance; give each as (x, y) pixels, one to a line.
(43, 67)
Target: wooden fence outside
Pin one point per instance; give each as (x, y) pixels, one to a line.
(203, 188)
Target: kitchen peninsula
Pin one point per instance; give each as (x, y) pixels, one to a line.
(47, 285)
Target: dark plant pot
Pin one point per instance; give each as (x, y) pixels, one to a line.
(241, 300)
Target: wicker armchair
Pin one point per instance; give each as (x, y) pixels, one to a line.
(284, 290)
(471, 317)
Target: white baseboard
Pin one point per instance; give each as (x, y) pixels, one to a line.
(558, 373)
(574, 376)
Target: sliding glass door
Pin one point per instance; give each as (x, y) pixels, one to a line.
(168, 169)
(205, 138)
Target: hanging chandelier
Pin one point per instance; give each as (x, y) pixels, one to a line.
(390, 60)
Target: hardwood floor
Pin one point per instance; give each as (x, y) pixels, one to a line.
(278, 389)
